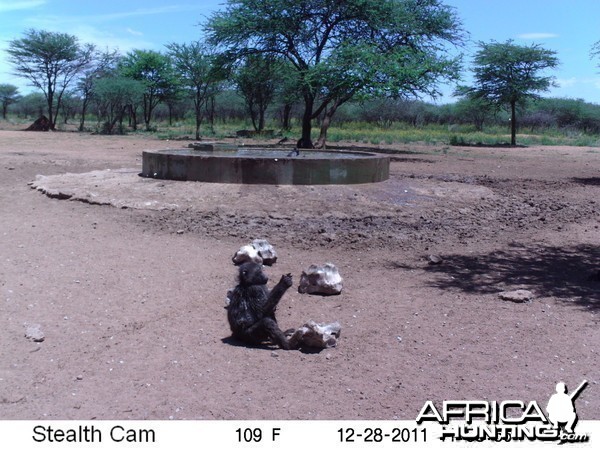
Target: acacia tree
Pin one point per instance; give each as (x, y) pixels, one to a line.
(103, 65)
(114, 96)
(507, 74)
(50, 61)
(196, 67)
(9, 94)
(342, 49)
(31, 105)
(155, 71)
(257, 80)
(472, 108)
(288, 92)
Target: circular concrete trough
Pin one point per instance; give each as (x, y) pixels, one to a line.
(215, 164)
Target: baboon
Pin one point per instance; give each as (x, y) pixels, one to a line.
(251, 311)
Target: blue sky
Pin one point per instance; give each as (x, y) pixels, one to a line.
(569, 27)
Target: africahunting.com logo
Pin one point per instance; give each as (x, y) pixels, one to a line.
(510, 420)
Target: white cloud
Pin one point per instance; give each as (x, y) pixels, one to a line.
(6, 6)
(591, 81)
(122, 39)
(97, 18)
(586, 88)
(135, 33)
(148, 12)
(537, 36)
(566, 82)
(94, 29)
(104, 39)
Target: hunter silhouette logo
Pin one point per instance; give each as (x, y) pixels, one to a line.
(509, 420)
(561, 407)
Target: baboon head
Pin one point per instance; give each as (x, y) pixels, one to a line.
(251, 273)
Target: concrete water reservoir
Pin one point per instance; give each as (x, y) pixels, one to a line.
(249, 165)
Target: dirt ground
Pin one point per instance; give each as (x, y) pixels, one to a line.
(127, 285)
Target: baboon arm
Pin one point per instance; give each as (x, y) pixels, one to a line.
(275, 295)
(277, 292)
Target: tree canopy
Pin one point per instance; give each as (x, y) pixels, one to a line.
(113, 96)
(196, 67)
(344, 49)
(507, 74)
(9, 94)
(50, 61)
(155, 71)
(256, 80)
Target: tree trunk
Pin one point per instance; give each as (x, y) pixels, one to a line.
(83, 112)
(261, 120)
(59, 103)
(252, 113)
(133, 117)
(50, 100)
(325, 123)
(211, 113)
(198, 123)
(513, 123)
(198, 112)
(285, 119)
(305, 140)
(148, 108)
(327, 117)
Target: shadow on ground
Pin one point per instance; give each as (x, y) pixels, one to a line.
(267, 346)
(566, 273)
(590, 181)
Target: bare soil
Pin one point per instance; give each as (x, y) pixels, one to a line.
(126, 279)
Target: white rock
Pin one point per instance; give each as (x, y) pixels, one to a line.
(317, 335)
(324, 280)
(34, 333)
(434, 259)
(247, 253)
(265, 251)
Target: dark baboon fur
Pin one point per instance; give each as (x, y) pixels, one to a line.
(251, 311)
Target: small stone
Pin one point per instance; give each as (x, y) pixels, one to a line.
(517, 296)
(34, 333)
(434, 259)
